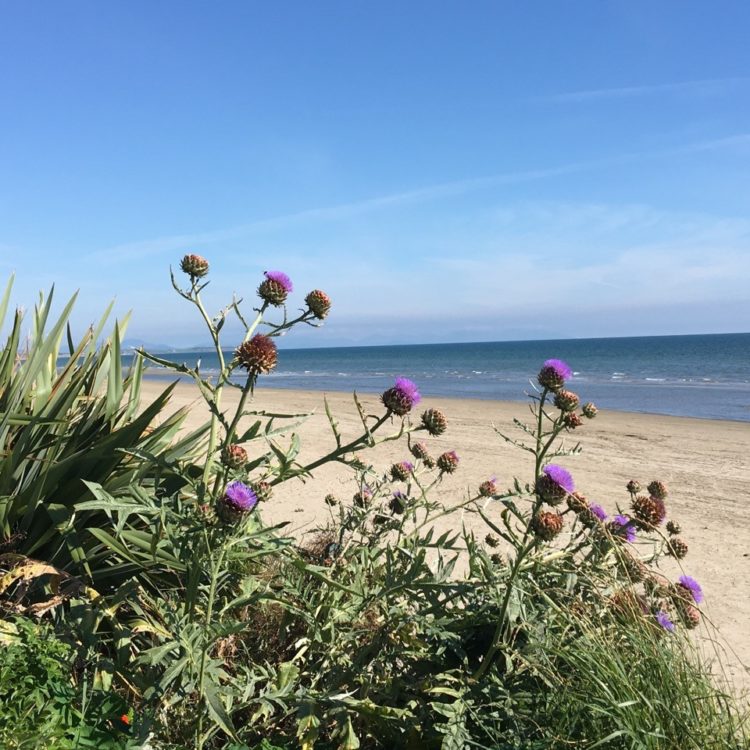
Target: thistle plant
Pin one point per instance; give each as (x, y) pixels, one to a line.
(404, 620)
(391, 622)
(213, 543)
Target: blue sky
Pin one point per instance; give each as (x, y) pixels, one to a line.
(446, 171)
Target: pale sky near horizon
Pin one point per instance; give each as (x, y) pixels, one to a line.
(446, 171)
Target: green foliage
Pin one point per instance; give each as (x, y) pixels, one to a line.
(208, 629)
(67, 418)
(45, 699)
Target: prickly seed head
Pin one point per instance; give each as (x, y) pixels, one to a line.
(589, 410)
(434, 422)
(398, 503)
(571, 420)
(448, 462)
(234, 456)
(319, 303)
(566, 400)
(690, 616)
(194, 265)
(632, 568)
(363, 498)
(259, 355)
(262, 489)
(633, 486)
(488, 488)
(547, 525)
(649, 512)
(673, 528)
(401, 471)
(677, 547)
(577, 502)
(657, 489)
(419, 450)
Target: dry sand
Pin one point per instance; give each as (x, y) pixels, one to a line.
(704, 462)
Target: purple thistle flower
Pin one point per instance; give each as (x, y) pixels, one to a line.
(240, 497)
(280, 278)
(598, 511)
(623, 527)
(663, 619)
(689, 583)
(561, 369)
(408, 389)
(561, 477)
(402, 397)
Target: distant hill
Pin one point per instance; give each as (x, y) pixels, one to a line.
(149, 346)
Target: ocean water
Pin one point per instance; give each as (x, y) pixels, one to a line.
(698, 376)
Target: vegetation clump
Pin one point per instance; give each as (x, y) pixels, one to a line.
(146, 604)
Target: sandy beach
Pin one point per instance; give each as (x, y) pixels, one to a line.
(704, 463)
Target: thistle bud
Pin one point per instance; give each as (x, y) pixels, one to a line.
(434, 422)
(577, 502)
(488, 488)
(690, 615)
(448, 462)
(194, 265)
(419, 451)
(234, 456)
(491, 540)
(677, 547)
(547, 525)
(589, 410)
(673, 528)
(622, 528)
(330, 500)
(398, 503)
(571, 420)
(263, 490)
(275, 289)
(363, 498)
(648, 511)
(400, 471)
(633, 487)
(257, 356)
(657, 489)
(319, 303)
(632, 568)
(592, 515)
(566, 400)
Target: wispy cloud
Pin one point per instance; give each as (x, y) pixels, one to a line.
(704, 87)
(162, 245)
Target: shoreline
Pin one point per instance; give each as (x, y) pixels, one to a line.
(186, 381)
(704, 462)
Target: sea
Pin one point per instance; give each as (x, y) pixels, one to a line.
(705, 376)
